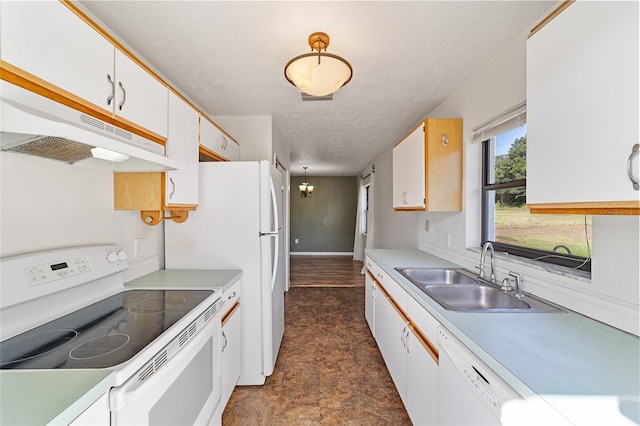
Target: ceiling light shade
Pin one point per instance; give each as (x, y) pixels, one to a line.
(321, 73)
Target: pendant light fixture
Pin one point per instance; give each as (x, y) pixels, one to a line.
(306, 190)
(321, 73)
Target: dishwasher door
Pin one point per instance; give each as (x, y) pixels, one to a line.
(469, 393)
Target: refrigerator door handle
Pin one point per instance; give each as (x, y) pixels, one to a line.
(275, 233)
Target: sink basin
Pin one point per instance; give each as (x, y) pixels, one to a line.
(457, 289)
(457, 297)
(429, 276)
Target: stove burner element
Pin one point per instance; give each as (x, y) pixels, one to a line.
(32, 346)
(157, 305)
(99, 346)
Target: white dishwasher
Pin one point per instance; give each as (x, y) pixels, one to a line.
(469, 392)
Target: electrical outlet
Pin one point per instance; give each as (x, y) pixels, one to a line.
(447, 239)
(295, 241)
(138, 247)
(426, 225)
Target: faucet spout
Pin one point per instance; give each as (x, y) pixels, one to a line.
(488, 247)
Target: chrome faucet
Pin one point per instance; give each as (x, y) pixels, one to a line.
(488, 247)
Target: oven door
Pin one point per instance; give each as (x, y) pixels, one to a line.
(184, 391)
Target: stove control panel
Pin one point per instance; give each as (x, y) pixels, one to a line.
(42, 274)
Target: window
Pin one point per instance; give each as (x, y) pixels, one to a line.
(506, 222)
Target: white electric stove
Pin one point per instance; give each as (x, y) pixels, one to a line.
(69, 309)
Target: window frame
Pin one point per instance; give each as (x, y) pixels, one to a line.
(550, 257)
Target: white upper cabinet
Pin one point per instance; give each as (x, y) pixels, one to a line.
(409, 171)
(217, 142)
(139, 97)
(582, 110)
(48, 40)
(182, 146)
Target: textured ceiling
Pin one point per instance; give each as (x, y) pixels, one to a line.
(229, 56)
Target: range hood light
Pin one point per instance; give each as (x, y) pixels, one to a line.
(106, 154)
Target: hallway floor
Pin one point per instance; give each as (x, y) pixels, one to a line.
(329, 370)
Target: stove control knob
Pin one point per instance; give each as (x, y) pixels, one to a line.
(112, 257)
(122, 255)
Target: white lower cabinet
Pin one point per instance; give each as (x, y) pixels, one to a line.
(370, 302)
(396, 350)
(406, 335)
(231, 344)
(422, 366)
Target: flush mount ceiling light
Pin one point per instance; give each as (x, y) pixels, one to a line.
(306, 190)
(321, 73)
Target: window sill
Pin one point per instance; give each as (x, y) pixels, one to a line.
(547, 267)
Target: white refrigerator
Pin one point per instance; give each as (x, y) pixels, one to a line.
(238, 225)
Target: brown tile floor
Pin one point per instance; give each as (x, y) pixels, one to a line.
(329, 370)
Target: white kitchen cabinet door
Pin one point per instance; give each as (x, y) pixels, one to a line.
(409, 171)
(140, 97)
(398, 175)
(422, 383)
(582, 105)
(215, 140)
(232, 150)
(231, 354)
(422, 366)
(415, 168)
(396, 353)
(49, 41)
(182, 146)
(381, 313)
(370, 302)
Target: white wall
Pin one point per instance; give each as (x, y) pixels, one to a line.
(46, 204)
(393, 230)
(611, 295)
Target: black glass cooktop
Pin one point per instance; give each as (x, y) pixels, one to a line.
(104, 334)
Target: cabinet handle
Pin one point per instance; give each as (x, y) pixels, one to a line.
(224, 341)
(232, 295)
(173, 188)
(113, 89)
(634, 153)
(224, 143)
(124, 96)
(406, 341)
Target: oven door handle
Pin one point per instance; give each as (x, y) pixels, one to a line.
(133, 389)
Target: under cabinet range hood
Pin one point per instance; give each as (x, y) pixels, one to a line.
(34, 125)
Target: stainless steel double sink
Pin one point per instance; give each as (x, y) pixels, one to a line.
(457, 289)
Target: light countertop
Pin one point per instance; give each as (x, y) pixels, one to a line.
(188, 278)
(561, 357)
(39, 397)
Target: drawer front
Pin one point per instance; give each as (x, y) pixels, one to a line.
(231, 296)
